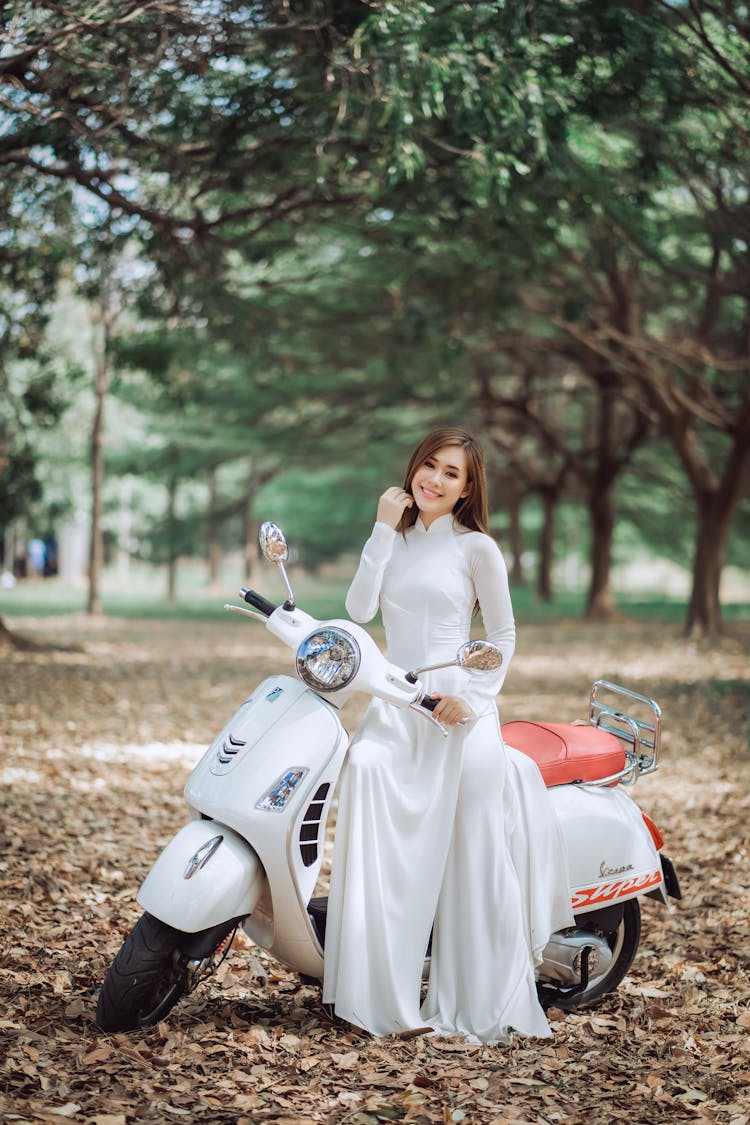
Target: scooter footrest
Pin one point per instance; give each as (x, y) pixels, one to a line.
(567, 752)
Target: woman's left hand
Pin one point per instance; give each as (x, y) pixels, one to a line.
(451, 710)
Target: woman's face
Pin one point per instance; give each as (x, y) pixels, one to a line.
(440, 482)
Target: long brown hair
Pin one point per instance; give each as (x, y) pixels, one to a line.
(471, 510)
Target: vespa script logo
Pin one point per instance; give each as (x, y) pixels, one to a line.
(605, 870)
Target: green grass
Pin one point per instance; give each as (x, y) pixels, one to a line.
(528, 607)
(322, 597)
(42, 598)
(675, 609)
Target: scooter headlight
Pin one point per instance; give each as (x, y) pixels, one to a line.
(328, 659)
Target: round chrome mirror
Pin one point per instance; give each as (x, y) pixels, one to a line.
(479, 655)
(272, 543)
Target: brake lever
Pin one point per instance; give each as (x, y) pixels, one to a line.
(428, 715)
(247, 612)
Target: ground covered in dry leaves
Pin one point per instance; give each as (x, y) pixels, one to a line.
(85, 810)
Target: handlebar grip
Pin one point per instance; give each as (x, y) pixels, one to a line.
(429, 703)
(257, 601)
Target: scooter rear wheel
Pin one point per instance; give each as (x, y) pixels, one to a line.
(624, 943)
(145, 980)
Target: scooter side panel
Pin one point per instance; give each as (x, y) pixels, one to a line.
(611, 855)
(266, 706)
(227, 884)
(292, 883)
(282, 727)
(284, 746)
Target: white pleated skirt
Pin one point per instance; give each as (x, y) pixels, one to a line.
(451, 837)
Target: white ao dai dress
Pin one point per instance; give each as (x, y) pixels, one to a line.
(454, 836)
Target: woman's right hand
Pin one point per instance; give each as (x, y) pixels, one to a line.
(392, 505)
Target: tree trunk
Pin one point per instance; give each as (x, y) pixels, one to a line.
(515, 538)
(717, 491)
(715, 512)
(18, 641)
(256, 477)
(546, 545)
(9, 550)
(214, 541)
(15, 640)
(172, 552)
(7, 636)
(250, 539)
(124, 519)
(600, 604)
(96, 548)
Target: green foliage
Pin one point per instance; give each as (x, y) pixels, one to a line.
(31, 405)
(32, 393)
(325, 512)
(340, 225)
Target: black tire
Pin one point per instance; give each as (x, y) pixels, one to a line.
(624, 943)
(145, 980)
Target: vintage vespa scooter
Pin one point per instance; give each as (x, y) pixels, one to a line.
(260, 797)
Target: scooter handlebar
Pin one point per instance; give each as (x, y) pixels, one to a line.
(257, 601)
(428, 702)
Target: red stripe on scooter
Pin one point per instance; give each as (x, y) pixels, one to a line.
(656, 835)
(607, 892)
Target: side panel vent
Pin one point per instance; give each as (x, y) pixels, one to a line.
(308, 835)
(229, 749)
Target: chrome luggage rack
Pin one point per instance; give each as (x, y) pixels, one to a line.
(642, 737)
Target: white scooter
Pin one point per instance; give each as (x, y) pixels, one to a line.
(260, 798)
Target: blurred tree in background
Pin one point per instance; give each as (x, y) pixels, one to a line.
(34, 385)
(347, 222)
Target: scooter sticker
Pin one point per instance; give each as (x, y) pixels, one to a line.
(274, 694)
(607, 892)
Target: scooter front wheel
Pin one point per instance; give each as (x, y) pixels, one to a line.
(147, 977)
(623, 942)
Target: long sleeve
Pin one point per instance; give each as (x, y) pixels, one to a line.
(490, 577)
(364, 593)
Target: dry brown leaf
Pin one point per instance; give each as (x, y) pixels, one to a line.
(346, 1061)
(99, 1054)
(668, 1047)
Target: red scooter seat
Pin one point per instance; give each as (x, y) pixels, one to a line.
(567, 752)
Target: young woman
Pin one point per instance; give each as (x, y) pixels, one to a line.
(453, 836)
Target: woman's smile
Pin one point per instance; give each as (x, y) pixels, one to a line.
(440, 482)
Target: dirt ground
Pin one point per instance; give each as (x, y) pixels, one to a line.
(96, 743)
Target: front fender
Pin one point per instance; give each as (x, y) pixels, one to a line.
(199, 880)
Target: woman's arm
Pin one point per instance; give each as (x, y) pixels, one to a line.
(490, 576)
(364, 593)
